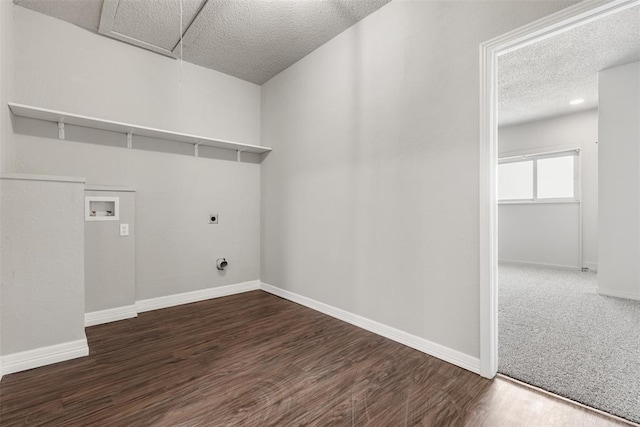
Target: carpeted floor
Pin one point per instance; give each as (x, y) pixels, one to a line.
(557, 333)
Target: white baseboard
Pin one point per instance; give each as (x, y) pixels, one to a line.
(436, 350)
(57, 353)
(110, 315)
(618, 294)
(540, 264)
(42, 356)
(592, 266)
(195, 296)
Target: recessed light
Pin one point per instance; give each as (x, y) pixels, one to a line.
(577, 101)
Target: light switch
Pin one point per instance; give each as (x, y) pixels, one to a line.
(124, 229)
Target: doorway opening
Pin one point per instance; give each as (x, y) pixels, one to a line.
(538, 219)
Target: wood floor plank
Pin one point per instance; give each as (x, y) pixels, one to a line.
(257, 360)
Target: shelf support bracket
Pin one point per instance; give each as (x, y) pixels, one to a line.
(239, 155)
(60, 130)
(195, 149)
(130, 140)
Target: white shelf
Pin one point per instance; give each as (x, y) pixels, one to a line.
(49, 178)
(117, 189)
(126, 128)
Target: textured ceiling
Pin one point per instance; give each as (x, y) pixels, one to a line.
(255, 40)
(250, 39)
(157, 22)
(540, 80)
(84, 13)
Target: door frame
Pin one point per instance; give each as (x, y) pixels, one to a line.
(556, 23)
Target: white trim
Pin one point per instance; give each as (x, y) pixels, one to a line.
(540, 264)
(46, 178)
(537, 149)
(592, 266)
(577, 162)
(539, 155)
(447, 354)
(618, 294)
(488, 212)
(110, 315)
(141, 306)
(195, 296)
(116, 189)
(539, 202)
(564, 20)
(42, 356)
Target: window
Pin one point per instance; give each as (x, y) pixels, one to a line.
(540, 177)
(555, 178)
(515, 181)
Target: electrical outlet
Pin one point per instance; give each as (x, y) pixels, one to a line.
(213, 218)
(124, 229)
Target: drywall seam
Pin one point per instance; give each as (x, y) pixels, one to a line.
(110, 315)
(42, 356)
(195, 296)
(429, 347)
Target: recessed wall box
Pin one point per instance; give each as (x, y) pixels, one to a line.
(101, 208)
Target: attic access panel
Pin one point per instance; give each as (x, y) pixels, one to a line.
(150, 24)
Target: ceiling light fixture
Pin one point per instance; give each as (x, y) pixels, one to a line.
(577, 101)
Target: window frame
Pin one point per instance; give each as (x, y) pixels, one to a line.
(575, 152)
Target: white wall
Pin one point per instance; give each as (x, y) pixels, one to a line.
(64, 67)
(542, 233)
(370, 197)
(6, 81)
(619, 220)
(6, 32)
(176, 247)
(548, 233)
(42, 264)
(110, 259)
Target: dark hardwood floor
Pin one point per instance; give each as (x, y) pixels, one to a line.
(255, 359)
